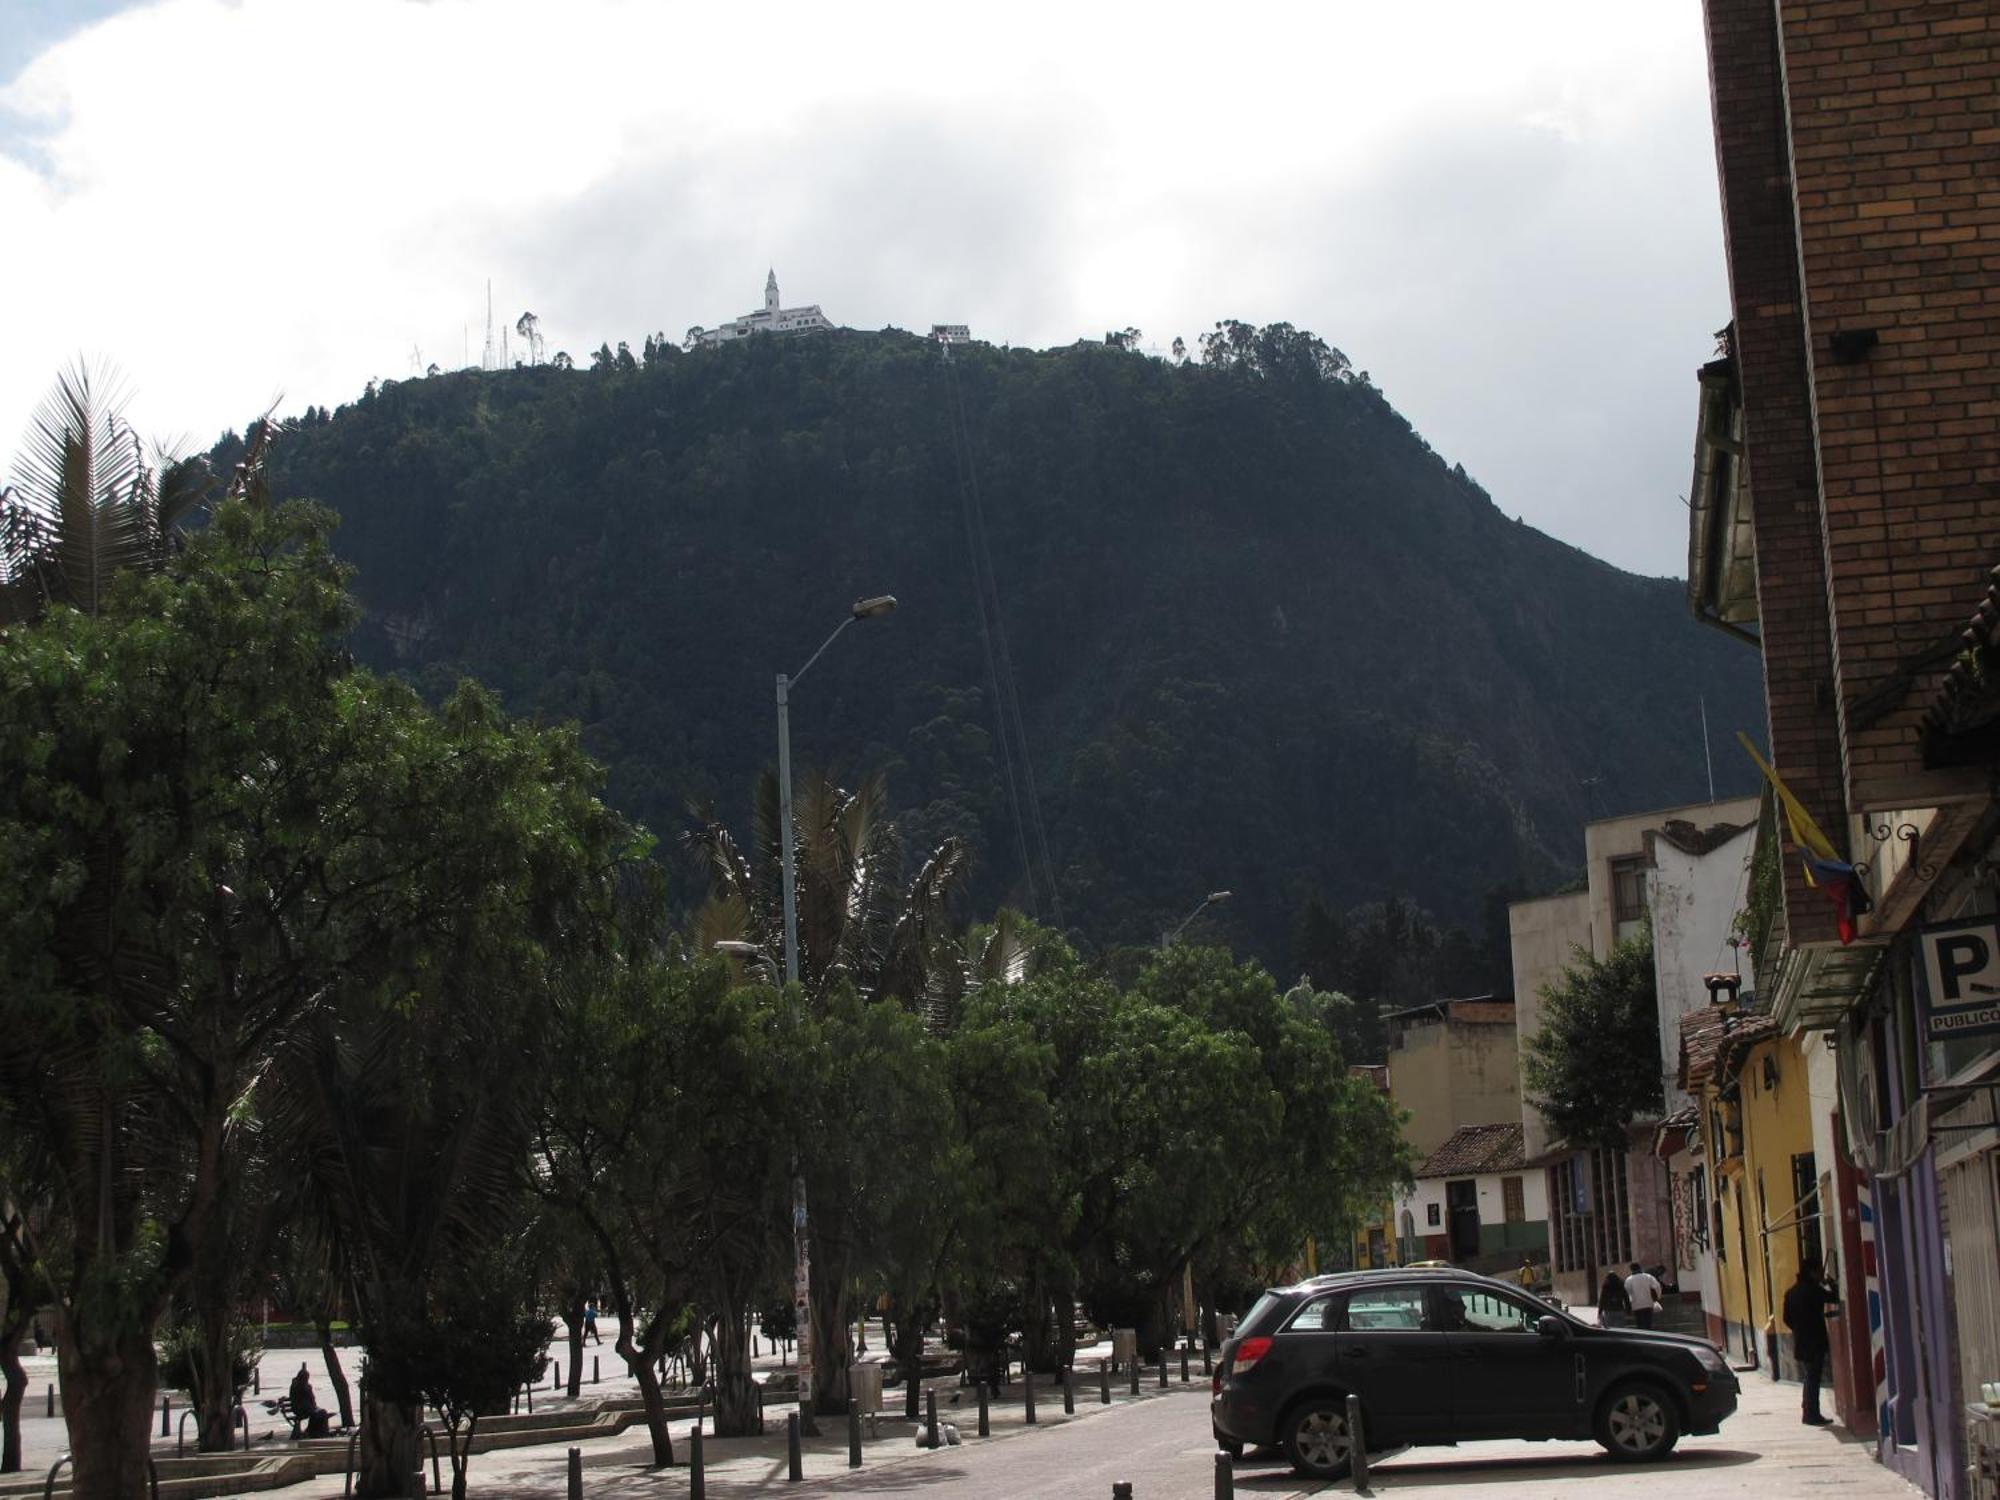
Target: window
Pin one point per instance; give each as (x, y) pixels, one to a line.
(1628, 895)
(1389, 1309)
(1805, 1205)
(1485, 1312)
(1318, 1316)
(1514, 1203)
(1431, 1214)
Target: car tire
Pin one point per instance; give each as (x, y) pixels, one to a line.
(1638, 1422)
(1315, 1437)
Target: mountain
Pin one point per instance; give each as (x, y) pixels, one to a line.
(1261, 637)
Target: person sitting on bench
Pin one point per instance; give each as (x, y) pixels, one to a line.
(307, 1417)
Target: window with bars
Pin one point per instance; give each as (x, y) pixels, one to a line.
(1628, 895)
(1513, 1200)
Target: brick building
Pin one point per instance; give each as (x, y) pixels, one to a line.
(1846, 519)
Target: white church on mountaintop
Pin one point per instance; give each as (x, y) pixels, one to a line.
(770, 318)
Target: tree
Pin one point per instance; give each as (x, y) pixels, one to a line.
(1594, 1066)
(530, 328)
(562, 361)
(88, 505)
(469, 1348)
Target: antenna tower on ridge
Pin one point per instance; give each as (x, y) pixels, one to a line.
(490, 360)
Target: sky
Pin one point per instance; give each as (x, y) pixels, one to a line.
(1505, 213)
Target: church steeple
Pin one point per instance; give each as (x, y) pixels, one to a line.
(771, 292)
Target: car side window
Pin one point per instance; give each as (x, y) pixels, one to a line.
(1476, 1310)
(1389, 1309)
(1321, 1315)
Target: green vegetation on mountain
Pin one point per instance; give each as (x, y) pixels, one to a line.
(1263, 637)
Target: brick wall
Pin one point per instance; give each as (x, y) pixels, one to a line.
(1895, 160)
(1770, 343)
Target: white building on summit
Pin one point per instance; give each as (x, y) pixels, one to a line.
(770, 318)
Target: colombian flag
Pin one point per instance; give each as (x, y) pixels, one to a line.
(1825, 871)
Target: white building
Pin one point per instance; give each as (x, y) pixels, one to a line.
(951, 333)
(770, 318)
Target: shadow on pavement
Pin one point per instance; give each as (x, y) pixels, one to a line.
(1275, 1475)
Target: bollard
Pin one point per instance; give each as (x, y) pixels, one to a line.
(697, 1469)
(930, 1419)
(1069, 1393)
(593, 1369)
(166, 1402)
(1028, 1390)
(1163, 1369)
(576, 1474)
(985, 1427)
(256, 1380)
(794, 1460)
(52, 1400)
(555, 1375)
(1206, 1369)
(1121, 1492)
(1103, 1383)
(1135, 1377)
(1225, 1477)
(1357, 1446)
(853, 1433)
(1184, 1364)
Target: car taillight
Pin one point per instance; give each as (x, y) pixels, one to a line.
(1247, 1354)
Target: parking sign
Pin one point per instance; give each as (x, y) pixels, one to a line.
(1962, 977)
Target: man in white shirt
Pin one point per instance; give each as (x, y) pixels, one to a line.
(1642, 1290)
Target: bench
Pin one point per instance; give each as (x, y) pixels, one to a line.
(310, 1424)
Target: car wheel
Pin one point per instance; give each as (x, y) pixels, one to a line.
(1638, 1423)
(1315, 1437)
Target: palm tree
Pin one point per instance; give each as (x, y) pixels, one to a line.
(87, 504)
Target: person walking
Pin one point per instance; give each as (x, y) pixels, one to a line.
(1806, 1302)
(1612, 1303)
(1642, 1292)
(1526, 1275)
(590, 1334)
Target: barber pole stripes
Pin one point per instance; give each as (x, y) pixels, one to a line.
(1878, 1359)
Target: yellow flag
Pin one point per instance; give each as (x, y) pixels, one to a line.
(1805, 832)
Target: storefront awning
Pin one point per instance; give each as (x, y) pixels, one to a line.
(1819, 982)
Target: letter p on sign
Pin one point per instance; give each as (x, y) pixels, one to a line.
(1962, 963)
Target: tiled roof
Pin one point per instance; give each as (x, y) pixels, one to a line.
(1474, 1149)
(1708, 1035)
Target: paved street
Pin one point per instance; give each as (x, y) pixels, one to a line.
(1160, 1442)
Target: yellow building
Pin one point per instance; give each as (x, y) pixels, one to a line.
(1755, 1138)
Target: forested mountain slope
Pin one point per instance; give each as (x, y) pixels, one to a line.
(1263, 637)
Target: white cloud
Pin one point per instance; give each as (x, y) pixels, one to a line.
(1506, 213)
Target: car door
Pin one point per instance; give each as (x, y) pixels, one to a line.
(1508, 1378)
(1393, 1356)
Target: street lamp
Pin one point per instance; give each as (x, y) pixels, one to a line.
(864, 609)
(1213, 898)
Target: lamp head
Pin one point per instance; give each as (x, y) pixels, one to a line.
(880, 604)
(1215, 896)
(737, 948)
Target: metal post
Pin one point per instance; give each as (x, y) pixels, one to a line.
(697, 1469)
(1028, 1390)
(853, 1433)
(1104, 1382)
(257, 1380)
(791, 894)
(1225, 1477)
(985, 1425)
(1069, 1392)
(52, 1399)
(1357, 1446)
(593, 1369)
(1163, 1369)
(794, 1460)
(1121, 1491)
(1184, 1364)
(801, 1260)
(576, 1474)
(166, 1430)
(1206, 1368)
(1134, 1373)
(555, 1376)
(930, 1419)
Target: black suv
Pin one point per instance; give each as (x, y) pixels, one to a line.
(1450, 1357)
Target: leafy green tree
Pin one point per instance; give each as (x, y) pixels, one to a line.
(471, 1345)
(1594, 1065)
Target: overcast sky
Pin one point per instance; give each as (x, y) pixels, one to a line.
(1505, 212)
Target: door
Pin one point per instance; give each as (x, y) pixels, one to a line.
(1393, 1356)
(1508, 1380)
(1461, 1200)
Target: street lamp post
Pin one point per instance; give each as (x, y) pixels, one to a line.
(1213, 898)
(864, 609)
